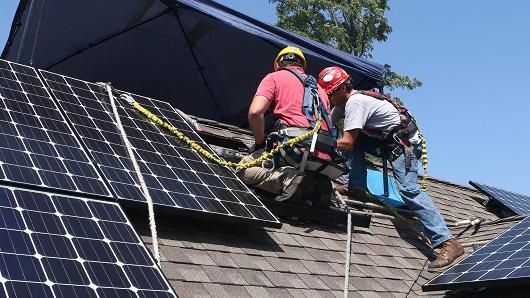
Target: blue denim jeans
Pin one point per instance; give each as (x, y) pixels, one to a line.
(407, 181)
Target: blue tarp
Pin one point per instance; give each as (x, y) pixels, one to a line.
(375, 187)
(203, 57)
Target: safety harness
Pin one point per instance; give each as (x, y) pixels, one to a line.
(298, 155)
(397, 141)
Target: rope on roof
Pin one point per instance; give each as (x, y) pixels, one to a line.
(150, 208)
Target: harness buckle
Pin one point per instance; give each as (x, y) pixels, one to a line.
(268, 165)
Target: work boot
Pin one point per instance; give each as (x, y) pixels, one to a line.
(450, 253)
(353, 193)
(293, 191)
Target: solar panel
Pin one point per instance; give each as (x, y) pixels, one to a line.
(177, 177)
(503, 261)
(37, 146)
(518, 203)
(65, 246)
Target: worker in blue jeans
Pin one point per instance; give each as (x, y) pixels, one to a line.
(375, 124)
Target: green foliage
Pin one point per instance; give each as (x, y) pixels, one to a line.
(352, 26)
(394, 80)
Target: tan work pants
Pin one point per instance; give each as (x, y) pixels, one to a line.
(274, 181)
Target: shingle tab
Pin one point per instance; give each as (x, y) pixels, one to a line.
(224, 275)
(319, 267)
(313, 282)
(184, 272)
(326, 255)
(310, 242)
(334, 244)
(320, 293)
(226, 291)
(285, 280)
(257, 291)
(216, 244)
(255, 278)
(293, 252)
(286, 239)
(383, 261)
(366, 284)
(368, 271)
(185, 255)
(287, 265)
(394, 285)
(333, 282)
(268, 292)
(251, 262)
(222, 259)
(189, 289)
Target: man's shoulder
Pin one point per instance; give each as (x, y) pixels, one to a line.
(361, 96)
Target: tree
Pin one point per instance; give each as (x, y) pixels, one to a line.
(352, 26)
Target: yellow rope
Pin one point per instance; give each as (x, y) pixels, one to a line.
(210, 156)
(424, 159)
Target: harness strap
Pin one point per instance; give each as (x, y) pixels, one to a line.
(311, 93)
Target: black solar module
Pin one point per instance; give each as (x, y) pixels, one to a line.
(503, 261)
(518, 203)
(176, 176)
(65, 246)
(37, 147)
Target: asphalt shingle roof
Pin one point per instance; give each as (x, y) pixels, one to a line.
(210, 259)
(202, 258)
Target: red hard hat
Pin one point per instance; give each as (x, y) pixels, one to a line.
(330, 78)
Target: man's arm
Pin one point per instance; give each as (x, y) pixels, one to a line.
(347, 141)
(256, 117)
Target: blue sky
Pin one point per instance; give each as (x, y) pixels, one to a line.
(472, 57)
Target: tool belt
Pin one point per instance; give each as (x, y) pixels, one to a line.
(294, 155)
(397, 142)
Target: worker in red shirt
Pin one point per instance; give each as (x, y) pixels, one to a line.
(282, 94)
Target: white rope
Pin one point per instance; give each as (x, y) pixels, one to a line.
(348, 260)
(150, 208)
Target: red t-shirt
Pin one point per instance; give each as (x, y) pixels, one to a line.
(285, 93)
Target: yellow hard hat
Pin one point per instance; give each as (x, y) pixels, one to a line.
(292, 51)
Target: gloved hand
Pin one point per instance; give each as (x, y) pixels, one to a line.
(256, 147)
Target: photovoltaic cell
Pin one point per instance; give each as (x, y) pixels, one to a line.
(503, 261)
(62, 246)
(518, 203)
(37, 147)
(175, 175)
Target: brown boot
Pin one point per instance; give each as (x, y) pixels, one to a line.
(450, 253)
(355, 194)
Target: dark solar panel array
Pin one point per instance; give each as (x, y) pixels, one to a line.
(37, 147)
(503, 261)
(63, 246)
(518, 203)
(175, 175)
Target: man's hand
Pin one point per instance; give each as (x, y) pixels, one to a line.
(347, 142)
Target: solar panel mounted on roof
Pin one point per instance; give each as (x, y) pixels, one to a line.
(176, 176)
(518, 203)
(503, 261)
(64, 246)
(37, 147)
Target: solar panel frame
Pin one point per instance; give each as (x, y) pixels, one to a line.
(37, 145)
(518, 203)
(59, 253)
(503, 261)
(177, 177)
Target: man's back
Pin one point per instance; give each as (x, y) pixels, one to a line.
(365, 112)
(285, 93)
